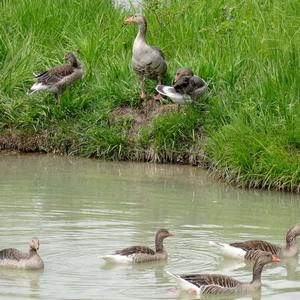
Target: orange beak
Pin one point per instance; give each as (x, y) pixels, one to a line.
(176, 78)
(275, 258)
(128, 21)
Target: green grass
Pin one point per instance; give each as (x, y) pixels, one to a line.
(247, 50)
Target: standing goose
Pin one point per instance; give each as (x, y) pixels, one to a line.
(187, 88)
(239, 249)
(56, 80)
(14, 258)
(213, 284)
(147, 61)
(140, 254)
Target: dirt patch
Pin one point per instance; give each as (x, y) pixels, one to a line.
(143, 115)
(23, 142)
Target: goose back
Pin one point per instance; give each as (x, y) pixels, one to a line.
(258, 245)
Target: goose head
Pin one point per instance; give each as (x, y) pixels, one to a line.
(35, 243)
(182, 72)
(264, 257)
(162, 234)
(69, 56)
(135, 19)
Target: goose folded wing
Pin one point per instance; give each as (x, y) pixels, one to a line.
(257, 244)
(12, 254)
(135, 250)
(54, 75)
(159, 51)
(207, 280)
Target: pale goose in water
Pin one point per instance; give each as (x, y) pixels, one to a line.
(214, 284)
(147, 61)
(239, 249)
(14, 258)
(140, 254)
(186, 89)
(56, 80)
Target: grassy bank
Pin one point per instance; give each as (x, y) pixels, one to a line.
(247, 128)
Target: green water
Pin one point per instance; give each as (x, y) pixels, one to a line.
(81, 208)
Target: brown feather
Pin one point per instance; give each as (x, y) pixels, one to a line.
(257, 245)
(220, 280)
(135, 250)
(12, 253)
(55, 74)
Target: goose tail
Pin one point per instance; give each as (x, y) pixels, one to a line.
(184, 284)
(228, 250)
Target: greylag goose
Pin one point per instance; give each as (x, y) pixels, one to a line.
(55, 80)
(140, 254)
(187, 88)
(14, 258)
(147, 61)
(213, 284)
(239, 249)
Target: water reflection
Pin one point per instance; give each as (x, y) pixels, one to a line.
(27, 281)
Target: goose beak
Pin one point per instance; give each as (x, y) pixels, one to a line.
(128, 21)
(172, 233)
(275, 258)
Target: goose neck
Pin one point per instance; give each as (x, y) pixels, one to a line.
(159, 246)
(291, 238)
(257, 269)
(142, 31)
(32, 252)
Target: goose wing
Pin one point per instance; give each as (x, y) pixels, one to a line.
(222, 281)
(257, 245)
(135, 250)
(54, 75)
(150, 62)
(159, 51)
(191, 85)
(12, 253)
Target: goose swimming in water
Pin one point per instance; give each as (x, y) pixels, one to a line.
(186, 89)
(147, 61)
(14, 258)
(140, 254)
(215, 284)
(239, 249)
(56, 80)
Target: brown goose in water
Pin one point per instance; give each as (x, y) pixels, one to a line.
(147, 61)
(140, 254)
(55, 80)
(187, 87)
(14, 258)
(221, 284)
(239, 249)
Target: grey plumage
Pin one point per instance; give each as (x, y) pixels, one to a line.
(140, 254)
(56, 79)
(187, 87)
(289, 249)
(222, 284)
(14, 258)
(147, 61)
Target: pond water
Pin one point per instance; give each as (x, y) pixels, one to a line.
(83, 208)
